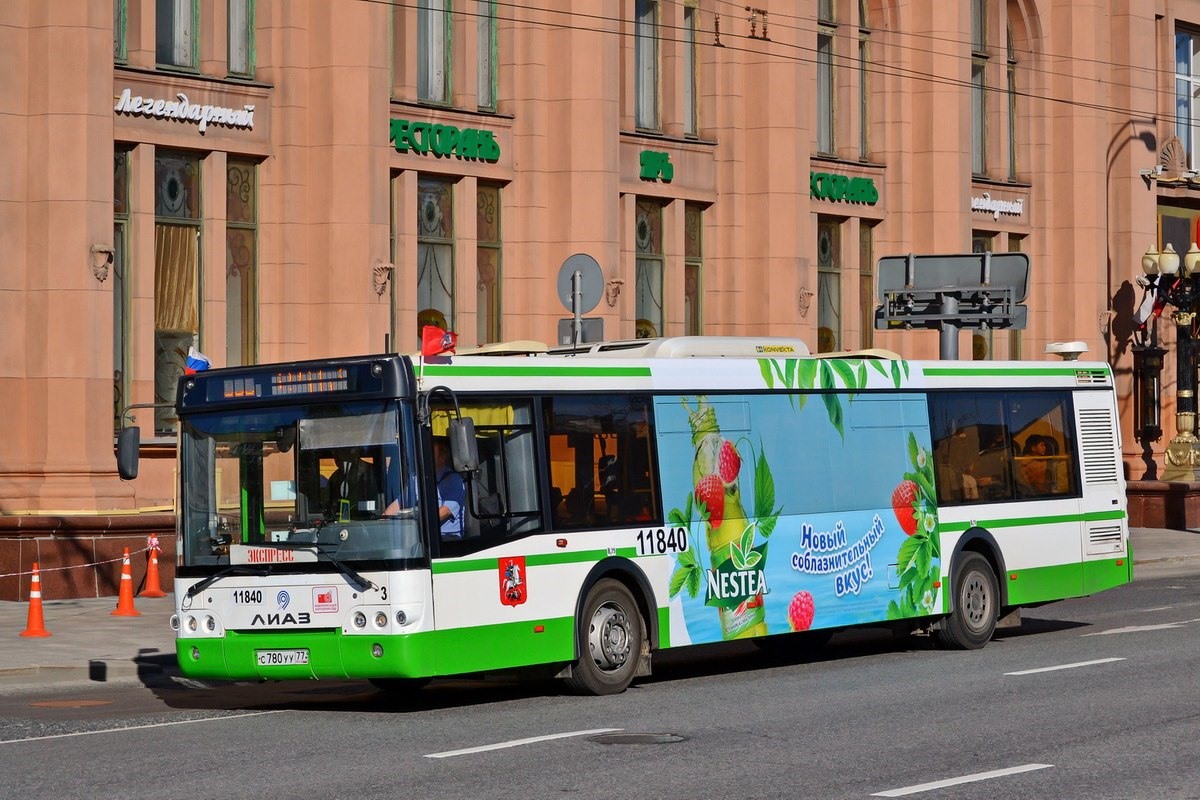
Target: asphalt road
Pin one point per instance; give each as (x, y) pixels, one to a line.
(1090, 698)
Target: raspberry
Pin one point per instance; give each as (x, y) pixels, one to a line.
(800, 611)
(903, 498)
(729, 463)
(711, 492)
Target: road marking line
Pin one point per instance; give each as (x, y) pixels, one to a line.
(142, 727)
(1065, 666)
(978, 776)
(1138, 629)
(518, 743)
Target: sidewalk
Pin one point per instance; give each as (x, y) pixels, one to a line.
(89, 645)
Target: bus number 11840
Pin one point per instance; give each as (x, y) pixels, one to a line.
(658, 541)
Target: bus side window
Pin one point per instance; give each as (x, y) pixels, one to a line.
(970, 450)
(601, 461)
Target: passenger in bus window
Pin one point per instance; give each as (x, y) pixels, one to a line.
(452, 492)
(1036, 475)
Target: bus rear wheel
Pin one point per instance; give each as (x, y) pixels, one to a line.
(976, 602)
(611, 635)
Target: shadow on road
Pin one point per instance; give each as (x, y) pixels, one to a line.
(160, 675)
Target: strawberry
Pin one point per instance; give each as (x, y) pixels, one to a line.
(903, 498)
(711, 493)
(729, 463)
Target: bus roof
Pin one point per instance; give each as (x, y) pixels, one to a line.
(692, 347)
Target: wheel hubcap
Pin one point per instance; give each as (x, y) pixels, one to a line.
(975, 601)
(608, 637)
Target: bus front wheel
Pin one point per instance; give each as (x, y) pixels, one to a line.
(976, 601)
(611, 634)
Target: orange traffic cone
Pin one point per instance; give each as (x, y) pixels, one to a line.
(153, 587)
(125, 597)
(36, 626)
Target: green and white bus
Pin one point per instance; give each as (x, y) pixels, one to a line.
(628, 498)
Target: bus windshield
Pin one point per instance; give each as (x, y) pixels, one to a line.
(339, 477)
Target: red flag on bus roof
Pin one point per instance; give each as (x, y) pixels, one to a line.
(435, 340)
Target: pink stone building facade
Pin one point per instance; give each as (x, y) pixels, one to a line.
(265, 180)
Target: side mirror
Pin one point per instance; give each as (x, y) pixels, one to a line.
(129, 441)
(464, 452)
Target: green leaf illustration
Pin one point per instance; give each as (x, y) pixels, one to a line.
(764, 494)
(748, 539)
(806, 373)
(845, 372)
(833, 405)
(878, 366)
(687, 573)
(767, 367)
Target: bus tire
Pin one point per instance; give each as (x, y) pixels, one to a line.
(972, 622)
(611, 636)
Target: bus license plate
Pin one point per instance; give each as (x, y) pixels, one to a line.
(281, 658)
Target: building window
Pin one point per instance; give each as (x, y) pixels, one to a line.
(120, 55)
(433, 50)
(693, 270)
(979, 58)
(1187, 92)
(866, 285)
(486, 20)
(826, 141)
(829, 285)
(435, 253)
(241, 38)
(176, 274)
(176, 24)
(983, 242)
(981, 341)
(691, 110)
(241, 271)
(1016, 244)
(864, 69)
(649, 275)
(120, 285)
(646, 64)
(487, 259)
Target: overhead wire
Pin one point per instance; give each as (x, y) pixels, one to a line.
(802, 54)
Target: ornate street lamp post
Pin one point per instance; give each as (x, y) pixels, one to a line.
(1182, 292)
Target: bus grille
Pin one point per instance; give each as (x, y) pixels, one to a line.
(1104, 540)
(1091, 376)
(1098, 445)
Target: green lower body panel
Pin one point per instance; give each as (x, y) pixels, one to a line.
(333, 654)
(1044, 584)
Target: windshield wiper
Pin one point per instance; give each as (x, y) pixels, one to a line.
(236, 569)
(322, 550)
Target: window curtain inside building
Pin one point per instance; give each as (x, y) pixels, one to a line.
(176, 313)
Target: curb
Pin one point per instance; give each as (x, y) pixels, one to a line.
(94, 671)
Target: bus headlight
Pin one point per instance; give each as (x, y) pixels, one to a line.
(380, 619)
(210, 624)
(401, 618)
(359, 620)
(192, 624)
(175, 622)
